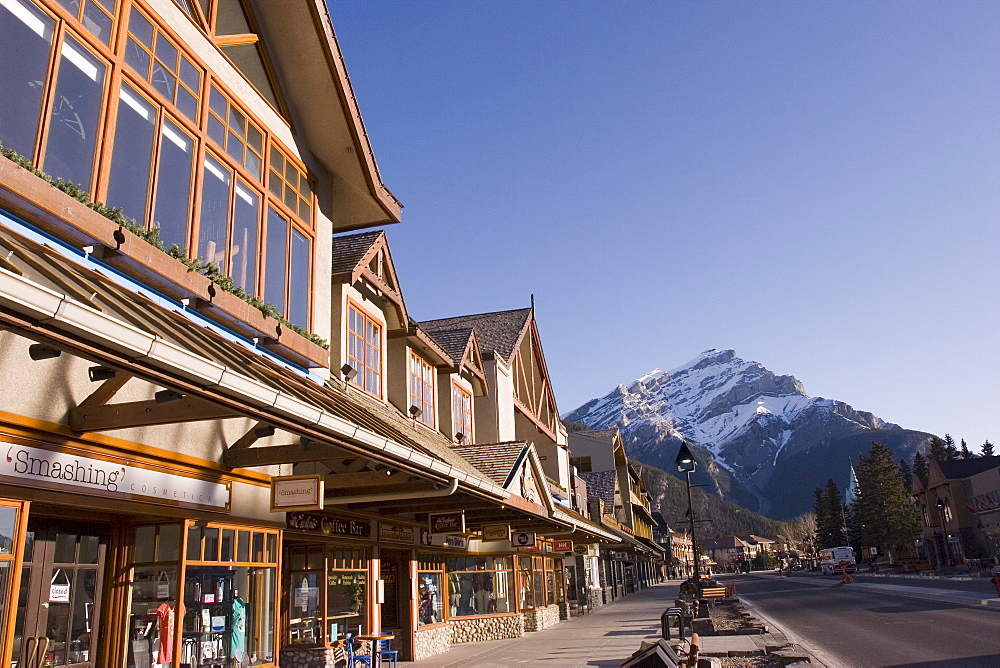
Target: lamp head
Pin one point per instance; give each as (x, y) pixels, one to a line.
(40, 351)
(350, 373)
(415, 412)
(685, 460)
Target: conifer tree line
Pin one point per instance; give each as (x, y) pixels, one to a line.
(882, 516)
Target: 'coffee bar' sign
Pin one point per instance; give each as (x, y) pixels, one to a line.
(329, 525)
(446, 522)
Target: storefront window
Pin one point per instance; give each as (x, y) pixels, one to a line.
(229, 602)
(479, 586)
(430, 601)
(330, 579)
(9, 521)
(153, 604)
(554, 581)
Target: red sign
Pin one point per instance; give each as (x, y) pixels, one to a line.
(562, 546)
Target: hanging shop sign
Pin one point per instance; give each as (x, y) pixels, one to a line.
(440, 540)
(446, 522)
(59, 591)
(524, 539)
(76, 470)
(329, 525)
(296, 492)
(562, 546)
(496, 532)
(395, 532)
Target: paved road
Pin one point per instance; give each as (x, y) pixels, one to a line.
(861, 627)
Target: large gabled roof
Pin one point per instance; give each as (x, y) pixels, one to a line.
(366, 255)
(496, 460)
(957, 469)
(461, 345)
(350, 250)
(498, 333)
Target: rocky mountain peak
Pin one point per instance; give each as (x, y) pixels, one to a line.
(750, 421)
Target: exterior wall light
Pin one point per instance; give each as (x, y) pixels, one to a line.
(99, 373)
(40, 351)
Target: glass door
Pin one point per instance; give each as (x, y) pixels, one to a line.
(59, 600)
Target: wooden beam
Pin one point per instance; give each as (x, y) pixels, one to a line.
(106, 390)
(145, 414)
(249, 438)
(279, 454)
(402, 488)
(367, 479)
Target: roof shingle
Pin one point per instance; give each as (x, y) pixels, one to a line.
(350, 249)
(498, 333)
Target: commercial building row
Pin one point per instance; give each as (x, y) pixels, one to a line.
(226, 438)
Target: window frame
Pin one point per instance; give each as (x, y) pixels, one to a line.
(462, 420)
(360, 365)
(420, 370)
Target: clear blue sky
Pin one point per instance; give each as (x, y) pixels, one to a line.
(813, 184)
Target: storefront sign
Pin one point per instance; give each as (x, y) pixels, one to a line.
(329, 525)
(496, 532)
(985, 502)
(446, 522)
(523, 539)
(394, 532)
(439, 540)
(75, 470)
(297, 492)
(562, 546)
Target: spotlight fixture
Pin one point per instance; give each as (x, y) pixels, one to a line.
(40, 351)
(305, 443)
(415, 412)
(99, 373)
(264, 431)
(350, 373)
(166, 396)
(460, 437)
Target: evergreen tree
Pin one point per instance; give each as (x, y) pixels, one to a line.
(905, 474)
(964, 452)
(987, 449)
(951, 452)
(884, 507)
(920, 467)
(829, 516)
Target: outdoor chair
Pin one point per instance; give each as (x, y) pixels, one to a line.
(386, 652)
(354, 659)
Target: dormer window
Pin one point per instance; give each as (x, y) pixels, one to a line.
(462, 413)
(364, 350)
(422, 389)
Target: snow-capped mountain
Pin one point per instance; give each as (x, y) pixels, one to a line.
(766, 443)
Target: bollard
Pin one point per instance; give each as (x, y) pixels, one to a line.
(692, 660)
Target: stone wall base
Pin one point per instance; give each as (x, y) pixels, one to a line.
(563, 611)
(431, 642)
(541, 618)
(313, 657)
(478, 629)
(595, 598)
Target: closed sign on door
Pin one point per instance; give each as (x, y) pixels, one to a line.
(59, 591)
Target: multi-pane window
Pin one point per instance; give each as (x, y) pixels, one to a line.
(230, 128)
(364, 350)
(230, 214)
(97, 16)
(76, 113)
(139, 144)
(290, 185)
(422, 389)
(158, 60)
(157, 189)
(462, 413)
(479, 586)
(430, 597)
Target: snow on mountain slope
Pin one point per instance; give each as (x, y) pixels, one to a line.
(749, 419)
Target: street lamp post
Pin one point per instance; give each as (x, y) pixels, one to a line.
(686, 465)
(941, 503)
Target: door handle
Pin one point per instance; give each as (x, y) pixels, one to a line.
(35, 650)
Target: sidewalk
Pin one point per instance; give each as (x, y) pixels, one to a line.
(605, 637)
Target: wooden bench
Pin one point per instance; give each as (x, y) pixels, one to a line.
(713, 592)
